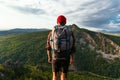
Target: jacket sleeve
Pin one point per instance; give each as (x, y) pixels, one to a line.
(48, 47)
(73, 50)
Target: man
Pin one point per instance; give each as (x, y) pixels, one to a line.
(61, 45)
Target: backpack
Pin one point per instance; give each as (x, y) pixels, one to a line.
(61, 39)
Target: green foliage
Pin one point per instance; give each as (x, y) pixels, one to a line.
(33, 73)
(28, 48)
(114, 38)
(89, 60)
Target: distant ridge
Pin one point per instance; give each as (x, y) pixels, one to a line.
(105, 31)
(20, 30)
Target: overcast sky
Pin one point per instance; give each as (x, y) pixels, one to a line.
(90, 14)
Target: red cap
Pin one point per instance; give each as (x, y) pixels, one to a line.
(61, 19)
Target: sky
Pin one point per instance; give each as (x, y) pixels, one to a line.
(90, 14)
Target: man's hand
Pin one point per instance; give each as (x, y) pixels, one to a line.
(71, 58)
(49, 60)
(71, 61)
(49, 54)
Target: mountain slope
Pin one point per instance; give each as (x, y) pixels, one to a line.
(96, 52)
(26, 48)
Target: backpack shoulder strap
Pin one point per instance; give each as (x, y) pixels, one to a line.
(69, 28)
(52, 37)
(53, 30)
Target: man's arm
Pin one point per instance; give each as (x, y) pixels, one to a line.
(71, 58)
(73, 50)
(49, 56)
(48, 48)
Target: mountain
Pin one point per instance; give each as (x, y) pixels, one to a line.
(96, 53)
(112, 32)
(19, 30)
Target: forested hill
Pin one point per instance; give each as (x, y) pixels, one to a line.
(95, 52)
(28, 48)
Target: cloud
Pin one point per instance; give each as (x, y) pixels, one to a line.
(1, 2)
(27, 7)
(96, 14)
(102, 14)
(29, 10)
